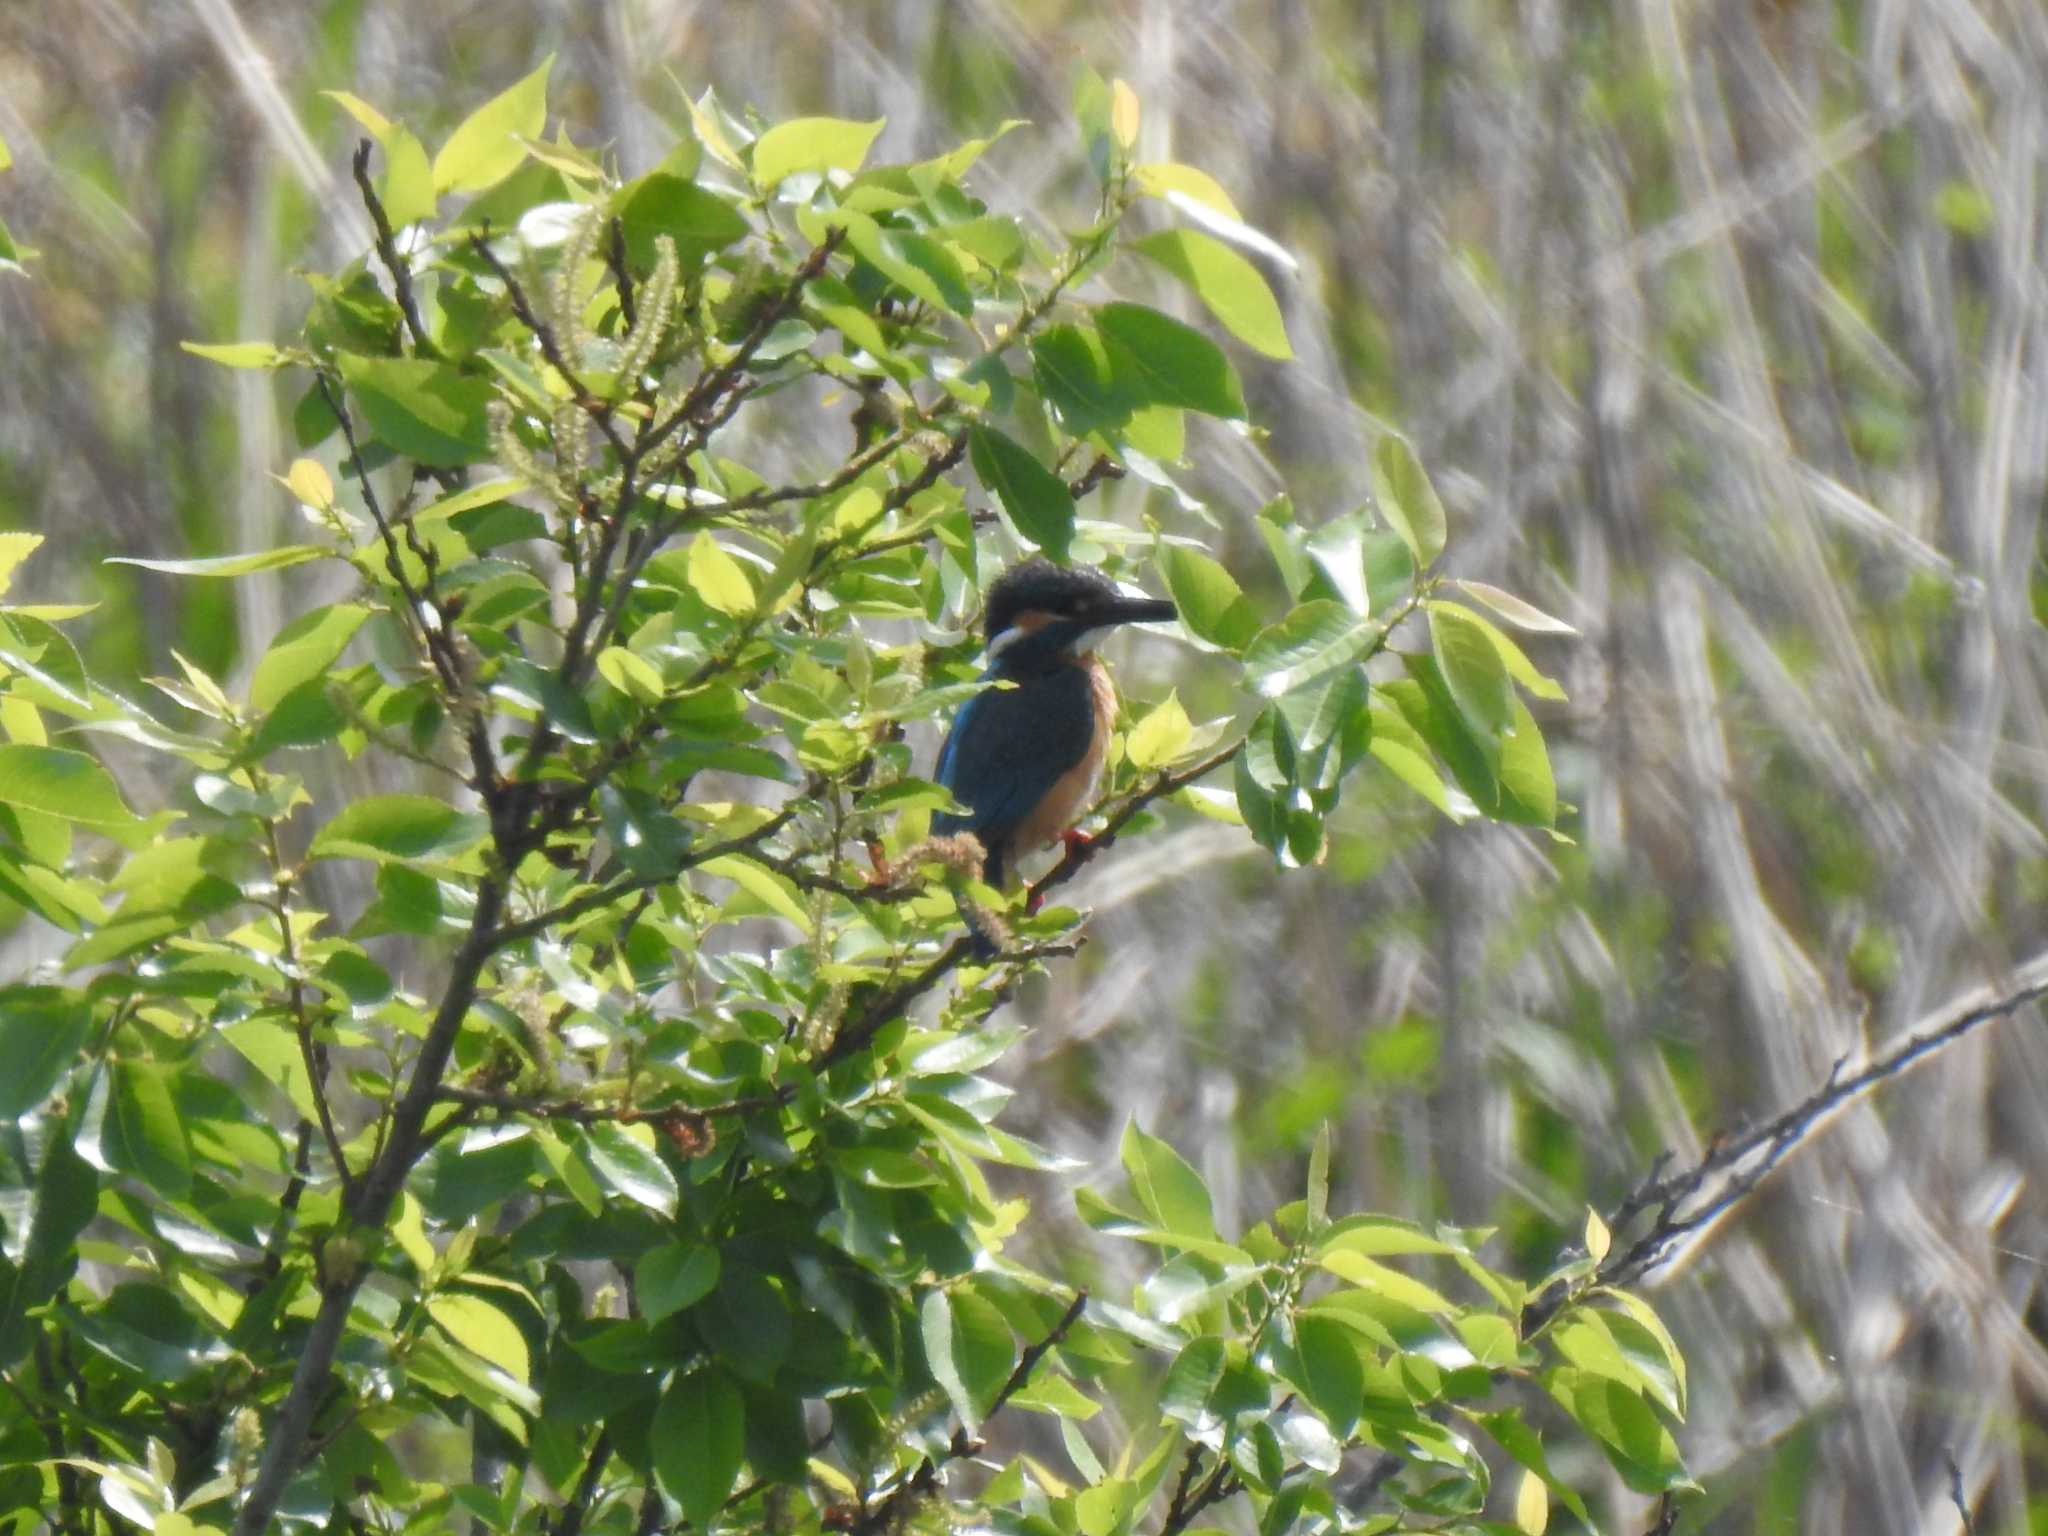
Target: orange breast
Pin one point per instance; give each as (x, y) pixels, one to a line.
(1073, 790)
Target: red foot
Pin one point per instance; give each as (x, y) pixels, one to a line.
(1033, 902)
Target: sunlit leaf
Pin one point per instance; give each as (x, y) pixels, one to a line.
(1212, 605)
(483, 1329)
(1226, 283)
(231, 565)
(1407, 500)
(1161, 736)
(1315, 639)
(812, 144)
(61, 782)
(487, 147)
(303, 649)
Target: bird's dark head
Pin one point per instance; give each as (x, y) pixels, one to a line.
(1059, 609)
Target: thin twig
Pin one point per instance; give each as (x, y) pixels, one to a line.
(1956, 1493)
(884, 1516)
(714, 383)
(1684, 1203)
(388, 253)
(605, 895)
(622, 275)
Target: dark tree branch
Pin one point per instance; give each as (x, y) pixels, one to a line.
(428, 620)
(622, 275)
(388, 253)
(580, 1502)
(1956, 1494)
(886, 1515)
(1734, 1165)
(714, 383)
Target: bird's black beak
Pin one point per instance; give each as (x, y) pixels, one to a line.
(1133, 610)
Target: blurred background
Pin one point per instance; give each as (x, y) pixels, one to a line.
(1723, 326)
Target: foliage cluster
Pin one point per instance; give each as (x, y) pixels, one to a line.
(615, 1153)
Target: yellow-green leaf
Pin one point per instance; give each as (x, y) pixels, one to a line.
(15, 548)
(1161, 736)
(1226, 283)
(718, 578)
(765, 885)
(632, 675)
(483, 1330)
(1125, 115)
(1532, 1505)
(487, 147)
(236, 354)
(1164, 176)
(308, 480)
(812, 144)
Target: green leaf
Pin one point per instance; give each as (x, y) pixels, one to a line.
(718, 578)
(1406, 499)
(1472, 669)
(812, 144)
(1164, 176)
(1161, 736)
(969, 1349)
(1226, 283)
(1177, 364)
(1634, 1439)
(1073, 370)
(236, 354)
(398, 827)
(1190, 1380)
(1333, 1376)
(15, 548)
(1036, 499)
(232, 565)
(674, 1276)
(425, 410)
(631, 1168)
(303, 649)
(408, 185)
(1380, 1236)
(1380, 1280)
(41, 1029)
(699, 221)
(1643, 1338)
(60, 782)
(1528, 788)
(1168, 1188)
(1316, 638)
(1526, 1446)
(630, 674)
(484, 1330)
(764, 885)
(1212, 605)
(140, 1128)
(1522, 615)
(42, 1234)
(305, 717)
(699, 1442)
(487, 147)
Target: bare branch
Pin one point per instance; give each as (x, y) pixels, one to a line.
(1690, 1202)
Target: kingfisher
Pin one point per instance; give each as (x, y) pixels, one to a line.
(1024, 759)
